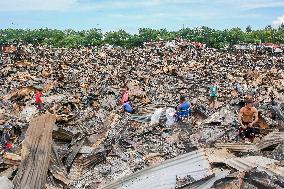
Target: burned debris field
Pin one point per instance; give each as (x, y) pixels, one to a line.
(63, 124)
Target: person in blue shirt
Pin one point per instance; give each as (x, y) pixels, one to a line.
(183, 109)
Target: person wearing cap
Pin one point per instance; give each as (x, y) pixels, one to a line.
(6, 135)
(213, 95)
(248, 117)
(38, 99)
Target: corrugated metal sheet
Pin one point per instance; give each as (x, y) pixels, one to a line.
(261, 163)
(210, 182)
(269, 140)
(164, 176)
(207, 182)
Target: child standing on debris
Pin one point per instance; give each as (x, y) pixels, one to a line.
(213, 95)
(248, 117)
(38, 100)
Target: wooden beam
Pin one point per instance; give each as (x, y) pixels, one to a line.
(36, 151)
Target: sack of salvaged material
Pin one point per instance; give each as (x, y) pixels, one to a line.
(170, 112)
(156, 116)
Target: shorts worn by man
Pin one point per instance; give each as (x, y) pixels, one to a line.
(248, 117)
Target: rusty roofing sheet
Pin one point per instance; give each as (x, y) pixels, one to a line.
(164, 175)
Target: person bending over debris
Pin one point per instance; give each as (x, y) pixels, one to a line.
(38, 100)
(183, 109)
(125, 95)
(6, 135)
(213, 95)
(124, 101)
(248, 117)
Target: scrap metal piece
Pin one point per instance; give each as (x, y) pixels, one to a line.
(164, 175)
(209, 183)
(271, 139)
(74, 150)
(259, 162)
(5, 183)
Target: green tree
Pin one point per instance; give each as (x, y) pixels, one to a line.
(248, 29)
(94, 37)
(118, 38)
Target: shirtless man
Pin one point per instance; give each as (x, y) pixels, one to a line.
(248, 117)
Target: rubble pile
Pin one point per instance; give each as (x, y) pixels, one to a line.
(95, 143)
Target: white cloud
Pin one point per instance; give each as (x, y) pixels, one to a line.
(263, 4)
(62, 5)
(30, 5)
(73, 5)
(57, 5)
(252, 4)
(278, 21)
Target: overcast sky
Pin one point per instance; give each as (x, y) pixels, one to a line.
(133, 14)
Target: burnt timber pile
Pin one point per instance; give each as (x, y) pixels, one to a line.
(83, 139)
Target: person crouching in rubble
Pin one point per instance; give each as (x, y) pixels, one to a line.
(183, 110)
(124, 101)
(5, 139)
(248, 117)
(38, 99)
(125, 95)
(213, 95)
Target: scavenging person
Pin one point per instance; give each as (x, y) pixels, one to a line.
(213, 95)
(183, 110)
(124, 95)
(248, 117)
(6, 136)
(124, 101)
(38, 99)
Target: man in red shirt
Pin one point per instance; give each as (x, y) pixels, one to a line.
(38, 100)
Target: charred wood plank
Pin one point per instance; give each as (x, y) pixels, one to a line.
(36, 152)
